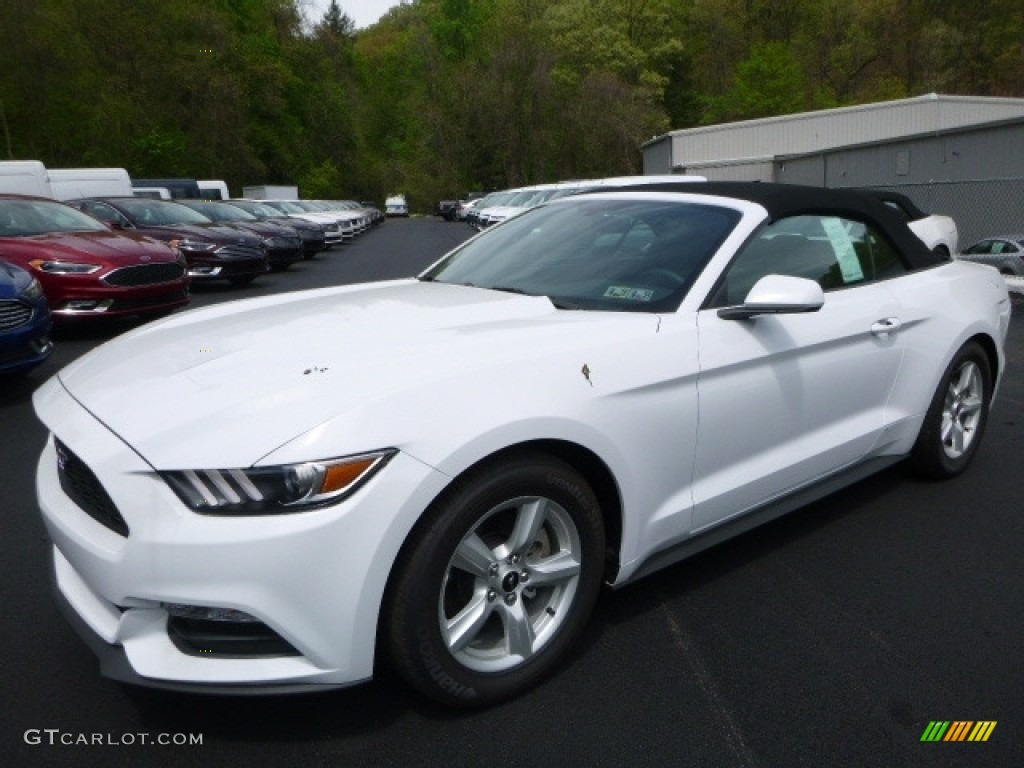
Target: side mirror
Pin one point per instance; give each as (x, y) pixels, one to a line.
(777, 295)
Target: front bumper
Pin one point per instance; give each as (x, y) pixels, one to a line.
(115, 302)
(284, 251)
(83, 610)
(26, 346)
(316, 578)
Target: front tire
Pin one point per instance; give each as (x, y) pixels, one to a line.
(497, 581)
(956, 418)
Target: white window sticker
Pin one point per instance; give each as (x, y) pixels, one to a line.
(631, 294)
(842, 244)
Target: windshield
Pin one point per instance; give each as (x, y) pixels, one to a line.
(220, 211)
(611, 254)
(495, 199)
(145, 211)
(285, 206)
(21, 218)
(257, 209)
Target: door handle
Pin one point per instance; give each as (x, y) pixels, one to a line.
(886, 326)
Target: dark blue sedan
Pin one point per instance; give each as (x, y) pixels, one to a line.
(24, 321)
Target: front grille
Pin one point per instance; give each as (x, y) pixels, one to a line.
(145, 274)
(242, 252)
(13, 313)
(83, 488)
(284, 243)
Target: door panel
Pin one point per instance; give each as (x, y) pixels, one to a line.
(788, 399)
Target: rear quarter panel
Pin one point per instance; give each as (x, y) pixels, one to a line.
(942, 308)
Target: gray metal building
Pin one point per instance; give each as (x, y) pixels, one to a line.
(958, 155)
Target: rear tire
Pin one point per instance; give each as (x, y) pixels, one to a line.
(497, 582)
(956, 419)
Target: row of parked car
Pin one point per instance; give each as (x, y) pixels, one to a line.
(938, 232)
(125, 255)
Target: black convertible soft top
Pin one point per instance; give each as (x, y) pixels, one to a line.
(784, 200)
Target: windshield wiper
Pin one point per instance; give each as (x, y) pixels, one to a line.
(557, 303)
(563, 304)
(511, 289)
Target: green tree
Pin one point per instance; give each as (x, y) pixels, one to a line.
(770, 81)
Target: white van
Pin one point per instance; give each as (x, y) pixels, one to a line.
(72, 183)
(160, 193)
(213, 189)
(395, 205)
(25, 177)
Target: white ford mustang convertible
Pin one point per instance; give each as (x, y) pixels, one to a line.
(440, 473)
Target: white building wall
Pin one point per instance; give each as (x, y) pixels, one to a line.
(827, 129)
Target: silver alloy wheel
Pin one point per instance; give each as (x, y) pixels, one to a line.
(510, 584)
(962, 410)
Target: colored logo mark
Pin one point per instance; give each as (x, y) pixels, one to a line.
(958, 730)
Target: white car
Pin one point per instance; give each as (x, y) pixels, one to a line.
(936, 231)
(263, 494)
(334, 233)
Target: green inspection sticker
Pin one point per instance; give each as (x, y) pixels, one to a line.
(631, 294)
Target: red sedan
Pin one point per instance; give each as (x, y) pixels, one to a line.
(84, 268)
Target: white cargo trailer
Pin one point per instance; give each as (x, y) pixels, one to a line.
(72, 183)
(25, 177)
(271, 192)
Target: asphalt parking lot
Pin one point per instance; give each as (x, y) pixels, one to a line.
(831, 637)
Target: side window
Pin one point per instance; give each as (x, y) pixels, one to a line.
(105, 214)
(834, 252)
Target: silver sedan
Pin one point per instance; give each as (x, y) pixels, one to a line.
(1004, 253)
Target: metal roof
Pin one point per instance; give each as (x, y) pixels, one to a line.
(827, 129)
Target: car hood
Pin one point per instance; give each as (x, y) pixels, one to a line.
(316, 218)
(220, 233)
(107, 247)
(266, 228)
(13, 280)
(227, 385)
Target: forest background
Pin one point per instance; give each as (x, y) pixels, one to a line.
(444, 97)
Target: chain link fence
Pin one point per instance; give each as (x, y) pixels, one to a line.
(981, 208)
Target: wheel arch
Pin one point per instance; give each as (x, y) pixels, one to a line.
(593, 469)
(988, 345)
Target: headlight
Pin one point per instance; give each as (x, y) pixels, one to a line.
(54, 267)
(34, 291)
(194, 245)
(274, 490)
